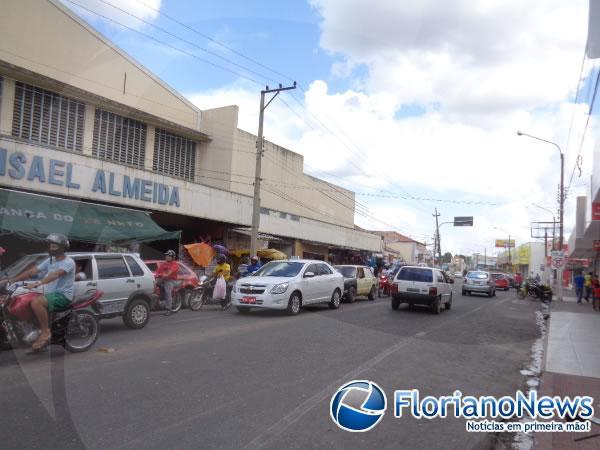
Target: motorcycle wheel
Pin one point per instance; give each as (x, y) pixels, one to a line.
(177, 301)
(82, 331)
(197, 300)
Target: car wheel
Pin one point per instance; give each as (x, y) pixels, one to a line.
(449, 304)
(137, 314)
(243, 309)
(294, 304)
(395, 303)
(335, 300)
(372, 294)
(490, 293)
(494, 293)
(464, 292)
(351, 296)
(436, 307)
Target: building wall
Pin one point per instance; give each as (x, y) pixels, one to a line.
(407, 250)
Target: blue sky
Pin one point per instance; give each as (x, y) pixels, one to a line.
(427, 99)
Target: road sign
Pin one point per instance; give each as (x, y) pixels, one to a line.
(558, 259)
(463, 221)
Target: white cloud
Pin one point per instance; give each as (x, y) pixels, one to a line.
(125, 12)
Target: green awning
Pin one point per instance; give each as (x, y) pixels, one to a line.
(36, 216)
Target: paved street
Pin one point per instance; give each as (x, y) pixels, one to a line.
(222, 379)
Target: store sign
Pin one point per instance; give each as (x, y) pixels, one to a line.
(578, 262)
(596, 211)
(36, 170)
(505, 243)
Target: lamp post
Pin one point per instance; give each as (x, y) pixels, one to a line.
(562, 202)
(547, 274)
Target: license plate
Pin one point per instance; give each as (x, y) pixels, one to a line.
(248, 300)
(412, 290)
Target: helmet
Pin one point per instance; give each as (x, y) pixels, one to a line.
(221, 258)
(170, 253)
(58, 239)
(254, 258)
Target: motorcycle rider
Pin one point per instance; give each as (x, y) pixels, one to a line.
(166, 278)
(58, 272)
(254, 265)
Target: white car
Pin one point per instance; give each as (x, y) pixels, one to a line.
(289, 285)
(422, 286)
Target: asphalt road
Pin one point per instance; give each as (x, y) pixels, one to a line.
(213, 379)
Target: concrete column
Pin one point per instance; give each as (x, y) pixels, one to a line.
(7, 105)
(150, 129)
(88, 129)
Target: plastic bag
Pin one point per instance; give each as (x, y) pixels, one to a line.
(220, 290)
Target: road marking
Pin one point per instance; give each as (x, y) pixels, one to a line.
(279, 427)
(420, 334)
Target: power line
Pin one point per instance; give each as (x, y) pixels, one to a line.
(577, 91)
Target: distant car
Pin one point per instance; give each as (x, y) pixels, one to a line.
(359, 281)
(426, 286)
(501, 280)
(458, 275)
(480, 282)
(289, 285)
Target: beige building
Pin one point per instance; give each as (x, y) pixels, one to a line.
(403, 247)
(87, 121)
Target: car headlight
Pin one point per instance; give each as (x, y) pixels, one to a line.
(280, 288)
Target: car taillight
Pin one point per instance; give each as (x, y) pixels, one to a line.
(394, 288)
(433, 291)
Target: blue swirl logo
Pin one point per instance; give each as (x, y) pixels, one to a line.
(358, 406)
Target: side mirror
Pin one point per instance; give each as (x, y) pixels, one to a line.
(309, 274)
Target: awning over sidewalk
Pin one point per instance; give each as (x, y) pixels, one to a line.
(35, 216)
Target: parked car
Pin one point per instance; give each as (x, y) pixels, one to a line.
(426, 286)
(480, 282)
(124, 279)
(187, 278)
(501, 280)
(289, 285)
(359, 281)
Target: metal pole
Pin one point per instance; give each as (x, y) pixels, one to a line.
(257, 174)
(562, 211)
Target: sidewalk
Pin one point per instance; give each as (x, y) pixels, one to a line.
(572, 366)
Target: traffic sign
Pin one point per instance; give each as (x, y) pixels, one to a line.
(558, 259)
(463, 221)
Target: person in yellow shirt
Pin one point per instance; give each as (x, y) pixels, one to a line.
(223, 269)
(587, 283)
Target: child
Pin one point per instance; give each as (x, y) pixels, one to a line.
(596, 287)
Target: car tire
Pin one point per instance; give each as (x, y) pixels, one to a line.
(294, 304)
(448, 305)
(490, 293)
(137, 314)
(351, 297)
(335, 301)
(494, 293)
(464, 293)
(372, 293)
(436, 306)
(243, 309)
(395, 303)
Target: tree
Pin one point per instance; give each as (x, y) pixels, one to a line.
(447, 257)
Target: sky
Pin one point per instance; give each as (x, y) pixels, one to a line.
(412, 105)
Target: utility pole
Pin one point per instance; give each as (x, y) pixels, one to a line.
(437, 233)
(258, 167)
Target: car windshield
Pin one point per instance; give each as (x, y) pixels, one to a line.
(477, 275)
(280, 269)
(424, 275)
(497, 276)
(346, 271)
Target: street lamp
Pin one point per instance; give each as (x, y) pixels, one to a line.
(562, 201)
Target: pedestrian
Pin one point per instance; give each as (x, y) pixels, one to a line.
(596, 286)
(587, 283)
(579, 281)
(166, 278)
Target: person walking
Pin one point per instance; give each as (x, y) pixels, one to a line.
(166, 278)
(588, 285)
(579, 281)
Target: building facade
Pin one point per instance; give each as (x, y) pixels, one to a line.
(87, 122)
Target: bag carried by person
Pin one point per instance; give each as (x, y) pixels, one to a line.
(220, 290)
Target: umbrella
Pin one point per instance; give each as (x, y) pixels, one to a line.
(202, 254)
(220, 249)
(271, 253)
(239, 252)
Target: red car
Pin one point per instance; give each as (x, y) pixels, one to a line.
(501, 280)
(186, 276)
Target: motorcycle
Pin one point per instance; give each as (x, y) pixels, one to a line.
(203, 295)
(75, 328)
(385, 286)
(178, 294)
(534, 289)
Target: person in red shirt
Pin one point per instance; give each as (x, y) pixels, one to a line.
(596, 293)
(518, 280)
(166, 278)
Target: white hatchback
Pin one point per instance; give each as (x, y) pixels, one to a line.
(422, 286)
(289, 285)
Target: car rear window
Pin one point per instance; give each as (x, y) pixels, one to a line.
(415, 274)
(497, 276)
(478, 275)
(346, 271)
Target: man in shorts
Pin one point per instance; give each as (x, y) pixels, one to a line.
(58, 278)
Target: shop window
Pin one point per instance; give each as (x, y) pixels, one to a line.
(47, 118)
(174, 155)
(119, 138)
(294, 218)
